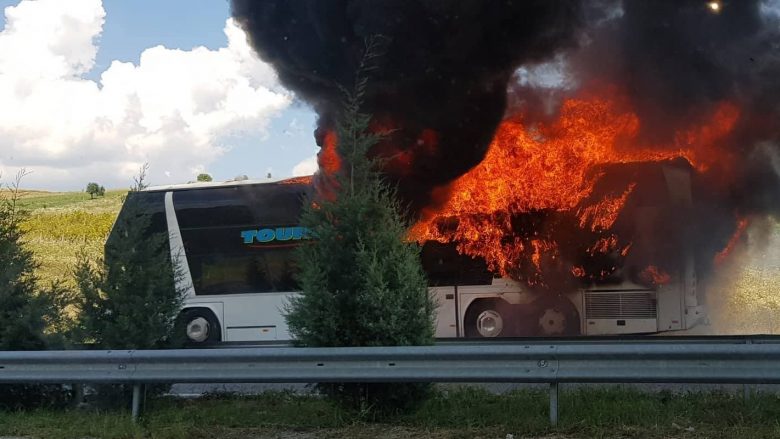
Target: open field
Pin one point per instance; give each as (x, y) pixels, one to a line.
(62, 224)
(459, 413)
(45, 202)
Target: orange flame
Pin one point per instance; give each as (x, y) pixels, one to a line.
(602, 215)
(329, 159)
(553, 168)
(655, 276)
(722, 255)
(305, 180)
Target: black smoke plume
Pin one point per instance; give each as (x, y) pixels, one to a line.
(680, 59)
(440, 83)
(677, 61)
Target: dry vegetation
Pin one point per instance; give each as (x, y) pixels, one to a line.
(60, 225)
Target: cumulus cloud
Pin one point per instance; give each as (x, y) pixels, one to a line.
(307, 166)
(174, 109)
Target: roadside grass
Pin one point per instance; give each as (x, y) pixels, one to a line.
(462, 412)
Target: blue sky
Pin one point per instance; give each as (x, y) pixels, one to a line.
(261, 141)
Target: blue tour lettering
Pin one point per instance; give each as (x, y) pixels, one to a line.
(249, 236)
(278, 234)
(265, 235)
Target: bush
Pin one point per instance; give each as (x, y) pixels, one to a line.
(362, 283)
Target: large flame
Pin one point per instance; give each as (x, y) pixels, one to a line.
(550, 170)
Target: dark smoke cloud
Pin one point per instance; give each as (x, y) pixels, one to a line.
(441, 82)
(677, 60)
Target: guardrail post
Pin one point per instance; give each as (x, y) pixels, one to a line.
(78, 395)
(136, 407)
(553, 404)
(747, 389)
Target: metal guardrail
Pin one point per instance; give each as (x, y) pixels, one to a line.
(582, 340)
(738, 361)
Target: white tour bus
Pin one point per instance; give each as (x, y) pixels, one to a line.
(234, 242)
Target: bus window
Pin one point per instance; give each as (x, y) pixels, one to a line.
(150, 205)
(239, 206)
(258, 271)
(216, 207)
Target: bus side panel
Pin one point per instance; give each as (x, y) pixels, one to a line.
(446, 323)
(264, 322)
(670, 307)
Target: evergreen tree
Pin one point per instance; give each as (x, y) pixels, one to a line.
(129, 300)
(362, 283)
(26, 310)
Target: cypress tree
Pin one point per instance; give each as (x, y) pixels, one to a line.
(362, 283)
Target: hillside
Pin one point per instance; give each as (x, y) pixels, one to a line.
(62, 224)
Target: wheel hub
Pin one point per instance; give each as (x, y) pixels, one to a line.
(552, 322)
(490, 323)
(198, 329)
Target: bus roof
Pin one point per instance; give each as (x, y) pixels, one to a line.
(222, 184)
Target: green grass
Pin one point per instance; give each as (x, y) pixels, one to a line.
(40, 202)
(453, 413)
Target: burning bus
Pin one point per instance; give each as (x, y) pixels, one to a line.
(573, 167)
(234, 242)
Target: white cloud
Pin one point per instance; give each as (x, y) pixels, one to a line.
(173, 109)
(306, 167)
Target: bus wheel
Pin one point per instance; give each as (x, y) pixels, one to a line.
(200, 326)
(555, 316)
(487, 318)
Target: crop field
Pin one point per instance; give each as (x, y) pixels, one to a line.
(60, 225)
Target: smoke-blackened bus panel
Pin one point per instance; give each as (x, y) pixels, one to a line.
(219, 229)
(445, 266)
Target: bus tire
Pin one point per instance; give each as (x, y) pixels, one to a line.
(487, 318)
(555, 316)
(200, 327)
